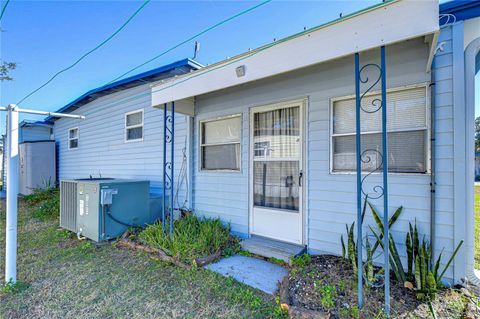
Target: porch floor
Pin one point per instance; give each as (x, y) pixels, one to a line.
(271, 248)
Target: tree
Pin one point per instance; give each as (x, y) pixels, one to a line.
(5, 69)
(477, 134)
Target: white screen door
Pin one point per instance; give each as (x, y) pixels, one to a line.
(276, 141)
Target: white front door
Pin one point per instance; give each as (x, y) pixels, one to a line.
(276, 171)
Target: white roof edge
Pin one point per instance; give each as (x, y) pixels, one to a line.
(383, 24)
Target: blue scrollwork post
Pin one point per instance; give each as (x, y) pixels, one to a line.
(367, 156)
(168, 166)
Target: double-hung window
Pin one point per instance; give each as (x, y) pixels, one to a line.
(220, 143)
(134, 126)
(407, 126)
(73, 138)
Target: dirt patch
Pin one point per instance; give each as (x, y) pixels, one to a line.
(328, 285)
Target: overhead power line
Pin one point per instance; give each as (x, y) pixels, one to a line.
(191, 38)
(202, 72)
(3, 9)
(88, 53)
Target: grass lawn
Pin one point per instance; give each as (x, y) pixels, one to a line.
(68, 278)
(477, 227)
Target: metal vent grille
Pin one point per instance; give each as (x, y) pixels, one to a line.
(68, 205)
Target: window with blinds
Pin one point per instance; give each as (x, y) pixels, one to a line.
(220, 144)
(407, 132)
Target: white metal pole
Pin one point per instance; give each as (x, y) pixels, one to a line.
(12, 192)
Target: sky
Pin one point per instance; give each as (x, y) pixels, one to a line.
(46, 36)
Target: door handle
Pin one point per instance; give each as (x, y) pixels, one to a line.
(300, 179)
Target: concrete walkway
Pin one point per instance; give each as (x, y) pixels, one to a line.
(254, 272)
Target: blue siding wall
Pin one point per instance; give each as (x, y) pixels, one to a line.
(102, 147)
(444, 136)
(330, 197)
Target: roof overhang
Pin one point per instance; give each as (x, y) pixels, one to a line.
(164, 72)
(382, 24)
(461, 9)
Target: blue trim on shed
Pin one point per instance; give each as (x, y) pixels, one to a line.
(26, 123)
(461, 9)
(163, 72)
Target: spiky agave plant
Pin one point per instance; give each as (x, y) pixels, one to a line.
(395, 260)
(350, 251)
(420, 257)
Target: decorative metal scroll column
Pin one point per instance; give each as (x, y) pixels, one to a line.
(365, 156)
(168, 166)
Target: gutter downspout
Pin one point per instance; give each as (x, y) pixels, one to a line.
(432, 158)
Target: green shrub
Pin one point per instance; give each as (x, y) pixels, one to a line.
(47, 202)
(41, 194)
(12, 288)
(302, 260)
(192, 238)
(329, 294)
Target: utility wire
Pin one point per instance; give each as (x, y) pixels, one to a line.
(86, 54)
(225, 64)
(198, 73)
(191, 38)
(3, 9)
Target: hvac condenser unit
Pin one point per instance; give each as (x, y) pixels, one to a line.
(105, 208)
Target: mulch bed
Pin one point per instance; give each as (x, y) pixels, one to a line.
(159, 254)
(302, 292)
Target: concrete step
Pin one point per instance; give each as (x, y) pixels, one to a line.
(271, 248)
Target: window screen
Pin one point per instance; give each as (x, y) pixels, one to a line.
(220, 144)
(134, 126)
(407, 133)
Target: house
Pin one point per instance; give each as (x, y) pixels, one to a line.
(120, 136)
(267, 138)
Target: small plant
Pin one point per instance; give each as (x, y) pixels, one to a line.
(49, 208)
(245, 253)
(277, 261)
(355, 312)
(233, 249)
(328, 293)
(301, 260)
(344, 312)
(342, 285)
(86, 246)
(46, 200)
(11, 288)
(42, 193)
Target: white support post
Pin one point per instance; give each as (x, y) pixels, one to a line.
(12, 192)
(12, 184)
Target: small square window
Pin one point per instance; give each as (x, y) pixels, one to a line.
(220, 144)
(73, 138)
(134, 126)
